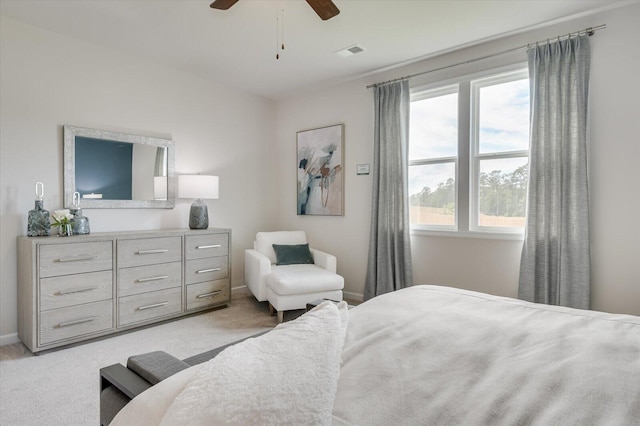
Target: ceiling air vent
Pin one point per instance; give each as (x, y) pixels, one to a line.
(350, 51)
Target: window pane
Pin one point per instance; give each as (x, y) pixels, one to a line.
(504, 117)
(432, 194)
(503, 188)
(433, 130)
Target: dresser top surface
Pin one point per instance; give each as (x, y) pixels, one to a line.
(102, 236)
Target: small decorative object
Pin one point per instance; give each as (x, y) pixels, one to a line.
(62, 219)
(79, 223)
(320, 176)
(38, 224)
(198, 187)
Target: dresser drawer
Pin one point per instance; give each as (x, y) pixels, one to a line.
(147, 306)
(206, 294)
(141, 279)
(70, 290)
(199, 246)
(149, 251)
(74, 258)
(75, 321)
(207, 269)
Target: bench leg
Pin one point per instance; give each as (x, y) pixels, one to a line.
(280, 316)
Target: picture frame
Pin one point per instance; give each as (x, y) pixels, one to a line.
(320, 159)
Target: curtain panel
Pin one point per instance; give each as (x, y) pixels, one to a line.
(389, 262)
(555, 264)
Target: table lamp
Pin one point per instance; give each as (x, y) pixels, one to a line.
(198, 187)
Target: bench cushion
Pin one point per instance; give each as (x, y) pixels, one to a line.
(302, 279)
(155, 366)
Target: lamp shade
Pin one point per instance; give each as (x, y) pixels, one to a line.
(198, 186)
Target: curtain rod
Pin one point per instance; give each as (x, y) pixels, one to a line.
(588, 31)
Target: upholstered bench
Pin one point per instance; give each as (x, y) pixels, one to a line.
(120, 384)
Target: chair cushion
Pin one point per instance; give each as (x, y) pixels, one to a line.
(265, 241)
(292, 254)
(301, 279)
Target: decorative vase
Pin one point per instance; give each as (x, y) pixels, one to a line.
(65, 230)
(38, 221)
(80, 223)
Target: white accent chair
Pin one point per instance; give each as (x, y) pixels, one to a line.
(289, 287)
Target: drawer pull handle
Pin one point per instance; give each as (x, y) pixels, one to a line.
(80, 290)
(204, 271)
(76, 322)
(209, 246)
(154, 251)
(77, 258)
(158, 278)
(155, 305)
(213, 293)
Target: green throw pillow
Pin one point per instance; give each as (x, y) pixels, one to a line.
(292, 254)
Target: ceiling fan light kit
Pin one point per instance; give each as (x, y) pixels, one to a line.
(325, 9)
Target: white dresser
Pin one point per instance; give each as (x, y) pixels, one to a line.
(76, 288)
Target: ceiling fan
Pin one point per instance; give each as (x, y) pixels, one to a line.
(324, 8)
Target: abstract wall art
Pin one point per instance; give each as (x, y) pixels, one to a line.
(320, 171)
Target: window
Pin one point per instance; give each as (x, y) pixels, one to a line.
(433, 157)
(468, 154)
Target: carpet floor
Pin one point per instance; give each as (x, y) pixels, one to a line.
(61, 387)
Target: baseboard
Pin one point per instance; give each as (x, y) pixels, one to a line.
(240, 287)
(9, 339)
(356, 297)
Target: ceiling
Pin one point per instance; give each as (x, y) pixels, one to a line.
(238, 46)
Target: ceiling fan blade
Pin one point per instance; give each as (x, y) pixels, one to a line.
(222, 4)
(324, 8)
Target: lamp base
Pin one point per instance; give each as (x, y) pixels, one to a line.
(198, 215)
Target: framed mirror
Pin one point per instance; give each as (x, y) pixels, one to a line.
(114, 170)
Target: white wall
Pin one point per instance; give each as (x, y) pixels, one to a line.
(483, 264)
(48, 80)
(344, 236)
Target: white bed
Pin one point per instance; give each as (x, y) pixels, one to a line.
(425, 355)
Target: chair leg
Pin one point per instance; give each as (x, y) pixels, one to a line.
(272, 310)
(280, 316)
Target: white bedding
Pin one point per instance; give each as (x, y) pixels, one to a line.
(288, 376)
(431, 355)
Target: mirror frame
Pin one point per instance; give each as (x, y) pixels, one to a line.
(70, 133)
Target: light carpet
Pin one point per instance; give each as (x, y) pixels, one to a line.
(62, 387)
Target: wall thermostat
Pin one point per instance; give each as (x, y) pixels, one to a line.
(362, 169)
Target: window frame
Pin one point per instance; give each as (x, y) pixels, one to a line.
(467, 165)
(440, 90)
(474, 145)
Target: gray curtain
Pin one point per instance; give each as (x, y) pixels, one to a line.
(555, 265)
(389, 264)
